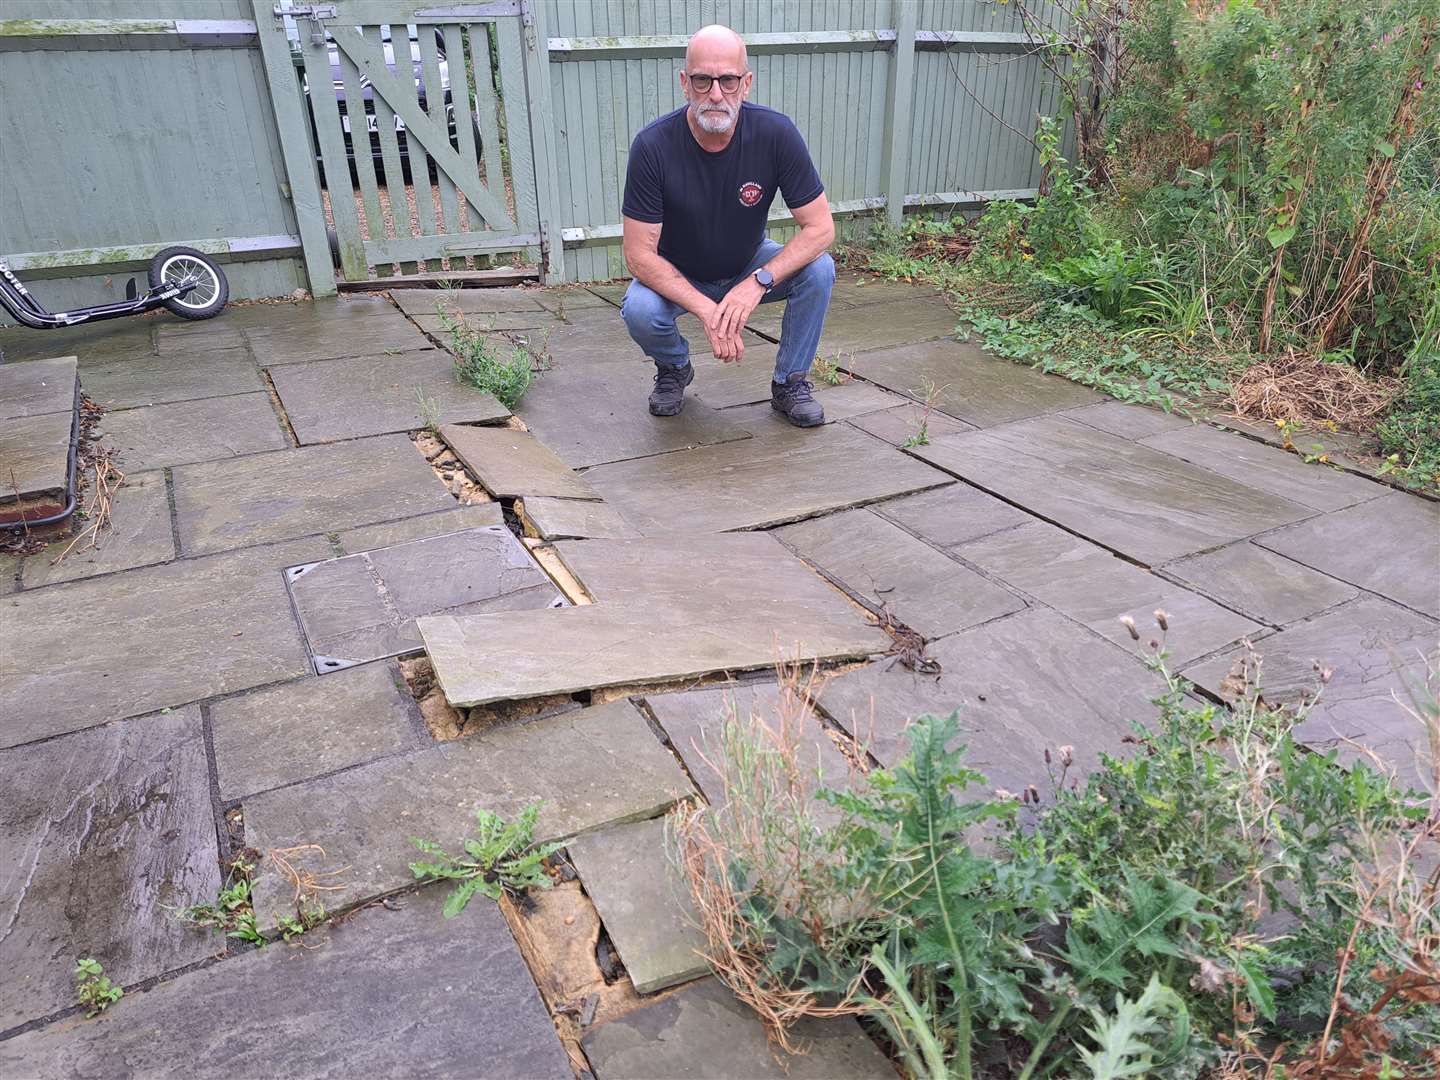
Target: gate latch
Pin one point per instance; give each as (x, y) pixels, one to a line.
(313, 12)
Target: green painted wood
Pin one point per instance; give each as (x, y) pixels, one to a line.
(332, 153)
(487, 106)
(517, 124)
(446, 245)
(898, 94)
(390, 156)
(435, 105)
(460, 97)
(360, 141)
(542, 138)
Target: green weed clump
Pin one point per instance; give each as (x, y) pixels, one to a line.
(500, 857)
(503, 371)
(231, 912)
(1218, 901)
(93, 987)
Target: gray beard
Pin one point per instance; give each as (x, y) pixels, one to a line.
(715, 121)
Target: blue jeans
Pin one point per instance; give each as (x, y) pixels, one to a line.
(650, 317)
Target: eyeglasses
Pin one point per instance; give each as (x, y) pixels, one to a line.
(702, 83)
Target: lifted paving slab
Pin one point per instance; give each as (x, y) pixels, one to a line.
(1389, 545)
(298, 730)
(102, 831)
(644, 902)
(375, 395)
(147, 639)
(887, 569)
(968, 383)
(34, 465)
(1267, 587)
(759, 482)
(157, 380)
(139, 535)
(705, 1033)
(1132, 499)
(159, 436)
(513, 464)
(388, 993)
(1023, 684)
(363, 607)
(38, 387)
(573, 519)
(331, 337)
(590, 767)
(1093, 587)
(266, 497)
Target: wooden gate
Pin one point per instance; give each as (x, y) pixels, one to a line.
(430, 125)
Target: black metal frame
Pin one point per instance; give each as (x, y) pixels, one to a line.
(24, 308)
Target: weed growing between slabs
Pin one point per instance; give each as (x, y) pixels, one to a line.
(503, 371)
(501, 857)
(1217, 902)
(93, 987)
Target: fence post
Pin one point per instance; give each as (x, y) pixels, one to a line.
(899, 93)
(542, 138)
(286, 100)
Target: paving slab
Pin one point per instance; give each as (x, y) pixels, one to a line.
(950, 516)
(118, 339)
(1128, 421)
(1023, 684)
(1267, 587)
(596, 413)
(590, 767)
(1131, 498)
(564, 300)
(854, 288)
(77, 654)
(743, 382)
(329, 338)
(388, 993)
(37, 387)
(1389, 546)
(102, 831)
(902, 423)
(363, 607)
(889, 570)
(644, 902)
(139, 535)
(375, 395)
(302, 729)
(175, 336)
(759, 482)
(514, 464)
(966, 382)
(35, 459)
(572, 519)
(452, 520)
(158, 380)
(465, 301)
(159, 436)
(856, 330)
(840, 402)
(267, 497)
(1093, 587)
(705, 1033)
(536, 320)
(327, 311)
(1266, 467)
(1377, 652)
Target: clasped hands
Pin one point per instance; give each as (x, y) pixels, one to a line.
(727, 319)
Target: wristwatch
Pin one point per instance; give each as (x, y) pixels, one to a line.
(765, 278)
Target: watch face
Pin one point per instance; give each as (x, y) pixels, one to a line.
(765, 278)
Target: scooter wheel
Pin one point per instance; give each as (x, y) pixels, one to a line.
(206, 299)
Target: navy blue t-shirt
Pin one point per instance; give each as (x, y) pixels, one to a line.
(713, 206)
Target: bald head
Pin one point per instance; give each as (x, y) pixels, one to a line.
(716, 45)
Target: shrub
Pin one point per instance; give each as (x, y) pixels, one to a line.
(504, 371)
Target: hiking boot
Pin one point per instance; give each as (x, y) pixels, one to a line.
(668, 397)
(796, 399)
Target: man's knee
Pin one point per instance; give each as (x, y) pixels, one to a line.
(820, 274)
(645, 311)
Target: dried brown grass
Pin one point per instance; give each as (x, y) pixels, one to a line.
(1304, 389)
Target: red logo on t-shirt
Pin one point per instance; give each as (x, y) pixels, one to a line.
(750, 193)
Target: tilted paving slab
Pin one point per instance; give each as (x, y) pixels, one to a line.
(950, 516)
(103, 831)
(889, 570)
(362, 607)
(590, 767)
(302, 729)
(1377, 652)
(1267, 468)
(1135, 500)
(451, 520)
(841, 402)
(387, 993)
(138, 535)
(644, 902)
(1093, 587)
(513, 464)
(117, 339)
(330, 400)
(159, 436)
(465, 301)
(1026, 683)
(274, 496)
(903, 423)
(705, 1033)
(759, 482)
(1389, 545)
(595, 413)
(37, 387)
(1263, 585)
(332, 338)
(856, 330)
(35, 460)
(146, 639)
(966, 382)
(158, 380)
(570, 519)
(1133, 422)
